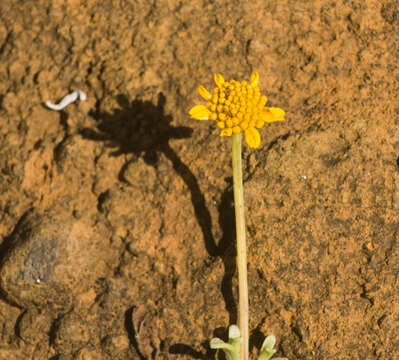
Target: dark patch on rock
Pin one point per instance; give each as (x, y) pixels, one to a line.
(46, 257)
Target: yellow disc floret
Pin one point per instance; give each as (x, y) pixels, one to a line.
(237, 107)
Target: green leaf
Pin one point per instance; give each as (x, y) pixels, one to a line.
(269, 342)
(232, 348)
(267, 351)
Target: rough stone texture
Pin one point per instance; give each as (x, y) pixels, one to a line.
(34, 326)
(71, 333)
(52, 258)
(122, 206)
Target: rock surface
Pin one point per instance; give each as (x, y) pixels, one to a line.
(52, 258)
(122, 206)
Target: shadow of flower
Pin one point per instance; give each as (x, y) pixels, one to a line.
(141, 129)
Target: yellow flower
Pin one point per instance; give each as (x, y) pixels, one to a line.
(204, 93)
(200, 112)
(237, 107)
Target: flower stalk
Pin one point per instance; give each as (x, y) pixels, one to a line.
(239, 108)
(241, 245)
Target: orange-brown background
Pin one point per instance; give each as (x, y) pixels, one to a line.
(116, 218)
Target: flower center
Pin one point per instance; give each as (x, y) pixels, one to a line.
(236, 106)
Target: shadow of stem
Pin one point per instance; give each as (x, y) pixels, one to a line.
(142, 129)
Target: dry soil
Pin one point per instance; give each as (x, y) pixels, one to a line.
(116, 214)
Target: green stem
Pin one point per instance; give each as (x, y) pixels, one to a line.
(241, 245)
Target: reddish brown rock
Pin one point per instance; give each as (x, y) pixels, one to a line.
(52, 257)
(116, 345)
(71, 333)
(322, 199)
(34, 326)
(89, 353)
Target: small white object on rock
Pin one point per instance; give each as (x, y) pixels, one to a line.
(72, 97)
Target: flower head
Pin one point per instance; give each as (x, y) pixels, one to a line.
(237, 107)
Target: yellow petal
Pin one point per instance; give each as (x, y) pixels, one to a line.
(262, 101)
(254, 79)
(252, 137)
(219, 80)
(204, 93)
(277, 113)
(268, 115)
(226, 132)
(259, 123)
(199, 112)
